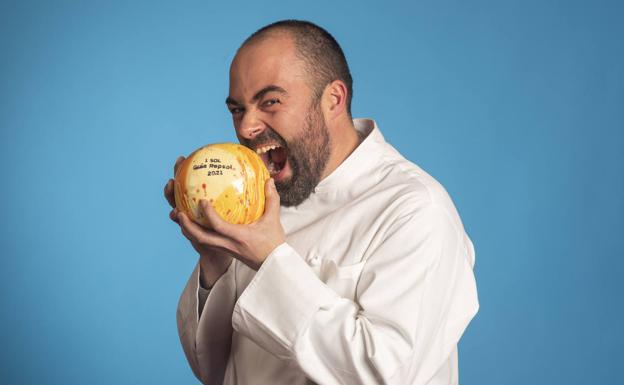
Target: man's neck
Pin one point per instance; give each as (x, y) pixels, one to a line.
(344, 141)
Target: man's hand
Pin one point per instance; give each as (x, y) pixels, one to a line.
(252, 243)
(213, 261)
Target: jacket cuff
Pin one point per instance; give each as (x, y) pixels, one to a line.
(224, 285)
(280, 301)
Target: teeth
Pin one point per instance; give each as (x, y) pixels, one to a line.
(262, 150)
(273, 170)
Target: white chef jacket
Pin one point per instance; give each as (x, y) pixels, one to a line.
(374, 285)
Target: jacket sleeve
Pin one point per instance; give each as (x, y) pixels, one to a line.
(414, 296)
(206, 339)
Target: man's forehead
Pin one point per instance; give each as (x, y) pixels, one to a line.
(271, 43)
(271, 61)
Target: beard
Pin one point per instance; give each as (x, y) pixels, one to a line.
(307, 156)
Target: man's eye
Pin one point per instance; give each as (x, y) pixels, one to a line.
(235, 110)
(270, 102)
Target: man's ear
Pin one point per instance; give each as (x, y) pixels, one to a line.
(334, 99)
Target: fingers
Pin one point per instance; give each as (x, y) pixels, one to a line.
(215, 221)
(173, 215)
(272, 203)
(169, 195)
(178, 162)
(195, 233)
(187, 234)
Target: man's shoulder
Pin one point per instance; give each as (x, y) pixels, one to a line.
(393, 186)
(407, 190)
(409, 179)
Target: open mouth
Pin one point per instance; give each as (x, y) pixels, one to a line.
(274, 157)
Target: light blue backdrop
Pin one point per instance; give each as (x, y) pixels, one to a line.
(517, 107)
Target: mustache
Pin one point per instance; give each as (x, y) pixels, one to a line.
(266, 136)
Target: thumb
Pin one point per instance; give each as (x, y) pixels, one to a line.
(214, 219)
(272, 203)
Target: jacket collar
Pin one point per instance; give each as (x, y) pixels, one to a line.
(359, 162)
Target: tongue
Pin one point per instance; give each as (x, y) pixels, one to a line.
(277, 155)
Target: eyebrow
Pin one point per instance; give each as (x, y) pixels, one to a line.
(259, 94)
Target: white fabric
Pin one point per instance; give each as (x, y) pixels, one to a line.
(373, 286)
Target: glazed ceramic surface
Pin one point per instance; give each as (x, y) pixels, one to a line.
(228, 175)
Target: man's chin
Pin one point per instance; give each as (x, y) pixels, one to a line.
(289, 196)
(283, 186)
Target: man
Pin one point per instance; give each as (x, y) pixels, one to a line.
(362, 276)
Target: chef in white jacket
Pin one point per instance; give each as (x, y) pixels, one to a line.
(359, 271)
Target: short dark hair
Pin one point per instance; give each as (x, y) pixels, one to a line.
(324, 60)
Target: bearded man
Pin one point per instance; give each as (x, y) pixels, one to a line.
(359, 271)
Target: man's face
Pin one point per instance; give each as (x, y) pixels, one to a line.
(275, 114)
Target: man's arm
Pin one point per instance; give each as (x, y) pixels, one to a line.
(204, 322)
(415, 296)
(205, 329)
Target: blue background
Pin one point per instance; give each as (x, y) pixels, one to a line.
(516, 107)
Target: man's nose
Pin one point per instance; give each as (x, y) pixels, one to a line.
(250, 126)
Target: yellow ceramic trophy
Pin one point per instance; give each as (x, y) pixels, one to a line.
(229, 176)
